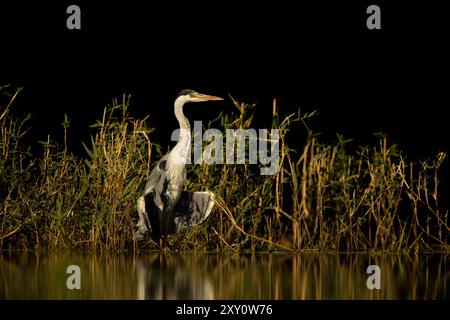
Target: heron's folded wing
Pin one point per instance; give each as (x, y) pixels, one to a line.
(192, 209)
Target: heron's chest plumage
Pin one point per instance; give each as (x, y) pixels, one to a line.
(175, 171)
(176, 176)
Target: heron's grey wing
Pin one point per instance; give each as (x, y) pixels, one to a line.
(150, 205)
(143, 225)
(192, 209)
(149, 216)
(158, 177)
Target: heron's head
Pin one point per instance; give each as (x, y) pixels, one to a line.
(193, 96)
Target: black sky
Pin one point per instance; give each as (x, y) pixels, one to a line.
(313, 55)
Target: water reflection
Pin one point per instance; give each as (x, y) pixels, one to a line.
(25, 275)
(174, 277)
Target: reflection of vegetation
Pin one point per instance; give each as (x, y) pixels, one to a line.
(25, 275)
(323, 198)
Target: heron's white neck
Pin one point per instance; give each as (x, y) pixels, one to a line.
(182, 150)
(182, 121)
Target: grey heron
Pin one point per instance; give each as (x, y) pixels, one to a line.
(165, 208)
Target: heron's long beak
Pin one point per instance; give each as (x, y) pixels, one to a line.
(204, 97)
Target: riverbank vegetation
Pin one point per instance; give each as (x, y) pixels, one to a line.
(327, 196)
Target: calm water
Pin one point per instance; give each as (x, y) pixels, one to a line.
(25, 275)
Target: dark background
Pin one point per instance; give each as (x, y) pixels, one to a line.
(313, 55)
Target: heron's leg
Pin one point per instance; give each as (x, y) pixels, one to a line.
(164, 249)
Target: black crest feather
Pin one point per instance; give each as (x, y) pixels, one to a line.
(185, 92)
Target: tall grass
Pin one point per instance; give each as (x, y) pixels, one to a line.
(324, 196)
(61, 200)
